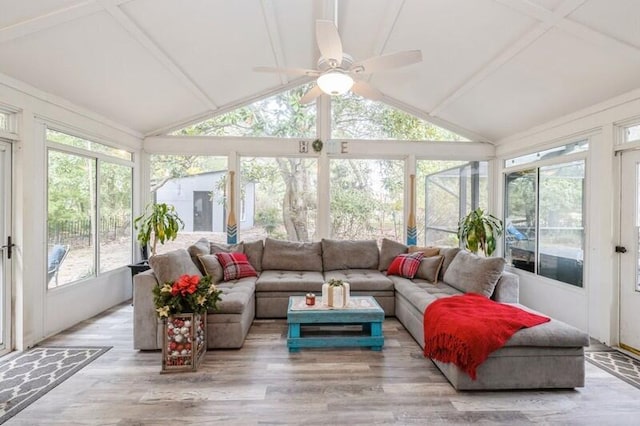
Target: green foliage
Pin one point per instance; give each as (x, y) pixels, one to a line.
(366, 198)
(158, 223)
(281, 115)
(70, 190)
(334, 282)
(354, 117)
(479, 230)
(72, 198)
(268, 218)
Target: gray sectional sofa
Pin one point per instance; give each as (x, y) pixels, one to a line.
(550, 355)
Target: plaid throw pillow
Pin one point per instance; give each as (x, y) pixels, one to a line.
(406, 265)
(235, 266)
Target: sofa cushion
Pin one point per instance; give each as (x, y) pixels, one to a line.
(197, 249)
(235, 266)
(348, 254)
(389, 249)
(225, 248)
(211, 266)
(405, 265)
(554, 333)
(235, 295)
(168, 267)
(290, 281)
(473, 274)
(415, 295)
(449, 254)
(429, 268)
(361, 279)
(253, 250)
(427, 251)
(291, 256)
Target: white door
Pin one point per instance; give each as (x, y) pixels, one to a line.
(629, 249)
(5, 250)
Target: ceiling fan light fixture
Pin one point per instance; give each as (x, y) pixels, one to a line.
(335, 82)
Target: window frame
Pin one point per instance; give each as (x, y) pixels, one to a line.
(537, 165)
(98, 158)
(475, 191)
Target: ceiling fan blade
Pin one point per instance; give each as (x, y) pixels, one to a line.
(291, 71)
(329, 42)
(385, 62)
(364, 89)
(313, 93)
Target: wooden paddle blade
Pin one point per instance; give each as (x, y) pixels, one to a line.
(311, 95)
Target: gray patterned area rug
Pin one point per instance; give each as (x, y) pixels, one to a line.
(26, 376)
(618, 364)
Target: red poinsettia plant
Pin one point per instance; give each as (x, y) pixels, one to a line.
(189, 293)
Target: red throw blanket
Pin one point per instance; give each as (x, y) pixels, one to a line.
(466, 329)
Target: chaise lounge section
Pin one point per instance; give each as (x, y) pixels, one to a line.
(549, 355)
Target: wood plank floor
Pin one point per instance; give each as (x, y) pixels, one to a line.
(263, 384)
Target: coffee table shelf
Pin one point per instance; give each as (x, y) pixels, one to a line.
(370, 318)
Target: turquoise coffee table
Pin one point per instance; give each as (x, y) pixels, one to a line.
(363, 310)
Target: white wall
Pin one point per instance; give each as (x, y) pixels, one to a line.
(39, 313)
(595, 307)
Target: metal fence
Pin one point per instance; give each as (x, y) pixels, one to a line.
(79, 232)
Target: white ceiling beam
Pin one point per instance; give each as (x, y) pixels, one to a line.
(147, 43)
(386, 29)
(548, 21)
(271, 23)
(576, 29)
(51, 19)
(387, 26)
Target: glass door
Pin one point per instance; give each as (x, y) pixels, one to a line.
(5, 250)
(629, 249)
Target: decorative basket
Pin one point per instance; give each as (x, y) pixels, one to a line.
(184, 342)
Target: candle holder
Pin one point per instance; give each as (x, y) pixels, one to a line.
(310, 299)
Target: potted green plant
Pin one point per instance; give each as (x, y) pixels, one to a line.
(479, 231)
(157, 224)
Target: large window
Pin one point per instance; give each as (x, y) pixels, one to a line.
(445, 192)
(367, 199)
(89, 210)
(280, 116)
(353, 117)
(195, 186)
(544, 211)
(64, 139)
(115, 215)
(279, 198)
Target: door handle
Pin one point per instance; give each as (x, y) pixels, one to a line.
(9, 246)
(621, 249)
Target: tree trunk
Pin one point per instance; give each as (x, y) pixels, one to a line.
(294, 205)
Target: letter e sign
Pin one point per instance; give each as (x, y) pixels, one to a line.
(344, 147)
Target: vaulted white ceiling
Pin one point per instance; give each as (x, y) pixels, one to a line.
(492, 67)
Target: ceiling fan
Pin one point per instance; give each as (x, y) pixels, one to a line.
(337, 72)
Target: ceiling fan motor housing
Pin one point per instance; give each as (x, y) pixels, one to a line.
(326, 65)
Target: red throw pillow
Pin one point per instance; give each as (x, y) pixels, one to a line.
(406, 265)
(235, 266)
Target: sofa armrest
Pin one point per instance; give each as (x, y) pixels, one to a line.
(507, 289)
(145, 320)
